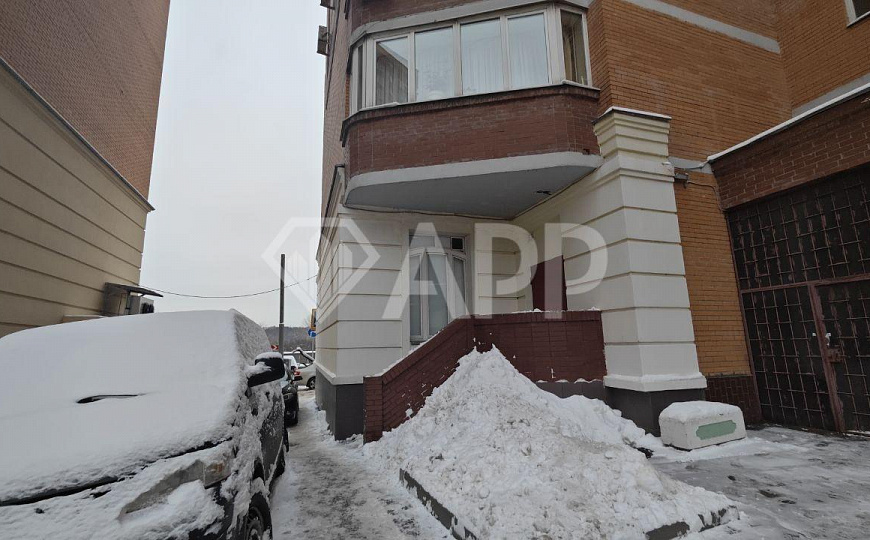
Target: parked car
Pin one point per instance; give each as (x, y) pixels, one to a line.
(293, 366)
(307, 375)
(291, 401)
(141, 427)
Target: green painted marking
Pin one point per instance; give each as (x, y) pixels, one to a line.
(710, 431)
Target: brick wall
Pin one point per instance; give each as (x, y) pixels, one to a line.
(570, 348)
(835, 140)
(754, 15)
(737, 390)
(713, 296)
(99, 64)
(718, 90)
(820, 51)
(335, 106)
(555, 119)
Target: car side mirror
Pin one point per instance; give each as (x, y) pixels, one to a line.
(267, 368)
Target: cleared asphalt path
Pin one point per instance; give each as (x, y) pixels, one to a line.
(328, 491)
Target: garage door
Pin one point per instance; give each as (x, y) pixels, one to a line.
(803, 266)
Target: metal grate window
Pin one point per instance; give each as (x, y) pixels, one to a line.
(820, 232)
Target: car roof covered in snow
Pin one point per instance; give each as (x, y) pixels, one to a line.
(88, 401)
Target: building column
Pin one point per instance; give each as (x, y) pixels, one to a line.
(648, 334)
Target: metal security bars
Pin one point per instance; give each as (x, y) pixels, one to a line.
(803, 267)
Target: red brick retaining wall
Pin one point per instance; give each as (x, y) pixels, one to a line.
(543, 348)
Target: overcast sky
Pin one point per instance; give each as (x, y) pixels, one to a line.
(237, 155)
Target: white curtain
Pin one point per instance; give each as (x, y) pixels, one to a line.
(528, 51)
(433, 54)
(481, 57)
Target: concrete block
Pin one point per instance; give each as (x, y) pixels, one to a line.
(695, 424)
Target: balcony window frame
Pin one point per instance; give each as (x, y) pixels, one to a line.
(366, 63)
(852, 13)
(560, 57)
(373, 70)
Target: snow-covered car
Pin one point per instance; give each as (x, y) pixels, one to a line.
(141, 427)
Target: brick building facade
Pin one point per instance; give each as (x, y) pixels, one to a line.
(619, 145)
(79, 88)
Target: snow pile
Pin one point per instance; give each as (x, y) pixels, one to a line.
(513, 461)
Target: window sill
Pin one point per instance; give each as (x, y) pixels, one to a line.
(863, 17)
(397, 109)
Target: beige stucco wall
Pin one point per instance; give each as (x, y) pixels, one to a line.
(68, 224)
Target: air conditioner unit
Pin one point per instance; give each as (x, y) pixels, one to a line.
(323, 41)
(121, 299)
(140, 305)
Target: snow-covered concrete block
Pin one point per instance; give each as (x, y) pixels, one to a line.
(695, 424)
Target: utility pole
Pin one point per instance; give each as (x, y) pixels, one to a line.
(281, 313)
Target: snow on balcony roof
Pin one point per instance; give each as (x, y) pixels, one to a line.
(793, 121)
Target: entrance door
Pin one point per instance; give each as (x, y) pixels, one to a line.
(845, 316)
(548, 286)
(803, 268)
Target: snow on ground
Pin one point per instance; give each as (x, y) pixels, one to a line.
(513, 461)
(788, 484)
(331, 491)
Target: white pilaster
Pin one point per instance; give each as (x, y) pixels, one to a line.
(648, 334)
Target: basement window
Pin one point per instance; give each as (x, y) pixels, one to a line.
(857, 9)
(487, 53)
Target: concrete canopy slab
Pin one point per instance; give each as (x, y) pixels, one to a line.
(497, 188)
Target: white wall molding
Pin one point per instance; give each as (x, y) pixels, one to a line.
(707, 23)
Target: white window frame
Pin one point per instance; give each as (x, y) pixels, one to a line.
(451, 288)
(853, 15)
(372, 62)
(549, 33)
(560, 55)
(553, 37)
(357, 74)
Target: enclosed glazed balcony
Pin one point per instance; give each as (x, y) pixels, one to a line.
(485, 116)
